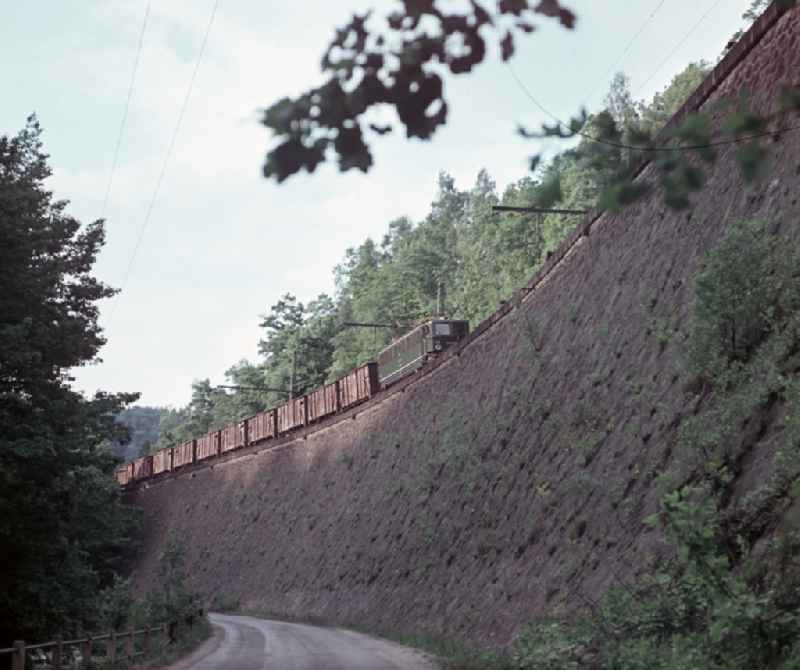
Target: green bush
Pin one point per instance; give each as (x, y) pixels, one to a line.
(716, 604)
(172, 600)
(747, 286)
(696, 612)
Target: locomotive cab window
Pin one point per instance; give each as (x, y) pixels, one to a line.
(442, 329)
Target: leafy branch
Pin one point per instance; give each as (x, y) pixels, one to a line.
(393, 67)
(679, 154)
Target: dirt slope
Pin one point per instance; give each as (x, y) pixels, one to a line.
(511, 480)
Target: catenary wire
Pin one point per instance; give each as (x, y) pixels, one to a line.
(644, 148)
(627, 48)
(125, 113)
(167, 156)
(679, 45)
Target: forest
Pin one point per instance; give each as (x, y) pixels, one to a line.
(462, 260)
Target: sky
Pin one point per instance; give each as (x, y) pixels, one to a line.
(221, 244)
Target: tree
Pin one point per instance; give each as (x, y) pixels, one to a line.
(394, 65)
(299, 343)
(619, 101)
(62, 524)
(655, 115)
(234, 405)
(143, 423)
(398, 66)
(750, 15)
(171, 600)
(173, 428)
(201, 406)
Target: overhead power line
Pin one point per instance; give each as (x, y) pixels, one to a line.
(355, 324)
(537, 210)
(125, 113)
(679, 45)
(239, 387)
(645, 148)
(167, 156)
(627, 48)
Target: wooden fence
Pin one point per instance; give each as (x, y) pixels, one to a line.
(104, 649)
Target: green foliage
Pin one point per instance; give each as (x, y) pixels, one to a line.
(63, 525)
(171, 599)
(746, 294)
(398, 64)
(548, 645)
(168, 600)
(462, 260)
(714, 604)
(751, 14)
(369, 67)
(614, 141)
(736, 292)
(143, 424)
(450, 653)
(743, 339)
(654, 116)
(297, 353)
(792, 394)
(693, 612)
(298, 348)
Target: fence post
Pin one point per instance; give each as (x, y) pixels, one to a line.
(146, 641)
(111, 647)
(165, 631)
(18, 659)
(130, 646)
(57, 653)
(86, 651)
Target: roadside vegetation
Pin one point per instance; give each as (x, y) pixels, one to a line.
(728, 597)
(65, 529)
(170, 601)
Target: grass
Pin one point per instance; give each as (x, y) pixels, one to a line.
(188, 640)
(451, 654)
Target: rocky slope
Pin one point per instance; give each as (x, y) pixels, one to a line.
(512, 479)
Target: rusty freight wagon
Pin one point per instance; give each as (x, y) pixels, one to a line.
(233, 436)
(207, 446)
(323, 402)
(360, 385)
(402, 357)
(261, 426)
(124, 473)
(183, 454)
(291, 415)
(142, 467)
(162, 461)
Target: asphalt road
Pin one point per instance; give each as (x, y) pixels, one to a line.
(249, 643)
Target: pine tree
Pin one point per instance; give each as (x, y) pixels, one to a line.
(62, 524)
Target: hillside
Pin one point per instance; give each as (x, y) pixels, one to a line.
(513, 480)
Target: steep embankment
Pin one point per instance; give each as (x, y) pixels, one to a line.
(513, 478)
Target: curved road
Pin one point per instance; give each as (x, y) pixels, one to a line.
(248, 643)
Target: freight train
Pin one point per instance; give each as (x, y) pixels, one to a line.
(401, 358)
